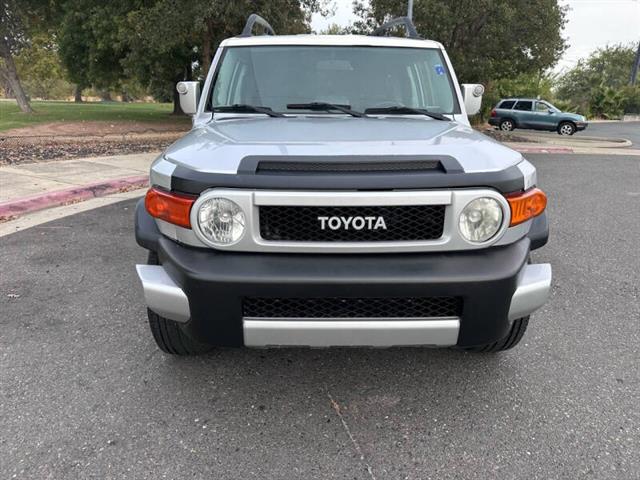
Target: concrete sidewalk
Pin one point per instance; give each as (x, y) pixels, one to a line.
(30, 187)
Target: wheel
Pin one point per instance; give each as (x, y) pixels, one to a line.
(507, 125)
(514, 336)
(168, 334)
(566, 128)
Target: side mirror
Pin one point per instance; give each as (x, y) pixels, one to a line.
(551, 111)
(472, 94)
(189, 96)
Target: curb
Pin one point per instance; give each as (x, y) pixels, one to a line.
(21, 206)
(523, 149)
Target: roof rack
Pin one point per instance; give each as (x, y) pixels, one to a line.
(251, 21)
(385, 28)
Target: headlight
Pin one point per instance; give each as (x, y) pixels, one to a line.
(221, 221)
(480, 220)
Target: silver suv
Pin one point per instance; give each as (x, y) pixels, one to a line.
(332, 193)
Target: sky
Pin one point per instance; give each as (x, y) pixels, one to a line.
(592, 24)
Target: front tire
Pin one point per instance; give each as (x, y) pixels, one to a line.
(507, 125)
(566, 128)
(518, 327)
(168, 334)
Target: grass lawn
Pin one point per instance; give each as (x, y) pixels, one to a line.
(11, 117)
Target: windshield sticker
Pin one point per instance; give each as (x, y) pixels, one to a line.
(439, 69)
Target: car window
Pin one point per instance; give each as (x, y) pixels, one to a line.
(507, 104)
(524, 105)
(542, 107)
(362, 77)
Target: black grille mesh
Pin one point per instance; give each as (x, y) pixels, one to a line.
(334, 307)
(404, 223)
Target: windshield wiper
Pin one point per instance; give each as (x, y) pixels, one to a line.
(244, 108)
(324, 106)
(402, 110)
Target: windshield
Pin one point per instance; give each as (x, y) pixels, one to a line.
(357, 77)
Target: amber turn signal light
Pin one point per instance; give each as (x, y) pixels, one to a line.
(526, 205)
(170, 207)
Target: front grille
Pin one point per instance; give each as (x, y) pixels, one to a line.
(335, 307)
(302, 224)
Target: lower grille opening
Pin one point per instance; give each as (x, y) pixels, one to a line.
(346, 307)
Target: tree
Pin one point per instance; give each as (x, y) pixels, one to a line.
(485, 39)
(598, 84)
(17, 20)
(165, 47)
(40, 69)
(90, 41)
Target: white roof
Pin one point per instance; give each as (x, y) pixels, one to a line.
(331, 40)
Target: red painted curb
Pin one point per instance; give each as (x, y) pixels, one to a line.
(543, 149)
(20, 206)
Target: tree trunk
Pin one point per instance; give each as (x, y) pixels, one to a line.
(77, 94)
(11, 74)
(105, 96)
(207, 47)
(177, 110)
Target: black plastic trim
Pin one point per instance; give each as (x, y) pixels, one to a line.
(252, 21)
(539, 231)
(147, 233)
(406, 22)
(186, 180)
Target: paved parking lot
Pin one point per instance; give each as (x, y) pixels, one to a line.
(84, 393)
(627, 130)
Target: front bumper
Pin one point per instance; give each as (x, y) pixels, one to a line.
(204, 290)
(581, 126)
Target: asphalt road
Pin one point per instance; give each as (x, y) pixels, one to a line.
(84, 393)
(627, 130)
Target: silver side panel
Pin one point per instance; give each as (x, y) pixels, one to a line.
(534, 285)
(261, 332)
(162, 294)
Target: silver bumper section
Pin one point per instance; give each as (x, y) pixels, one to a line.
(162, 294)
(350, 333)
(534, 285)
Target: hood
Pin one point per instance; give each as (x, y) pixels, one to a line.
(220, 145)
(573, 116)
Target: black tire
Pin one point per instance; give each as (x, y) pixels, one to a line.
(566, 128)
(168, 334)
(518, 327)
(507, 125)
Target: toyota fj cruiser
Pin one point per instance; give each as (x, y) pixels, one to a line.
(332, 193)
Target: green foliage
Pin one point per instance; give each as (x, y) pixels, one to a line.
(598, 84)
(39, 67)
(10, 116)
(486, 39)
(159, 42)
(524, 85)
(89, 38)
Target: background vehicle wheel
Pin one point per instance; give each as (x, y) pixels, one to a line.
(168, 334)
(514, 336)
(507, 125)
(566, 128)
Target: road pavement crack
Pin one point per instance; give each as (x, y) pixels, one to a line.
(336, 407)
